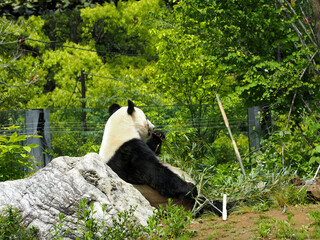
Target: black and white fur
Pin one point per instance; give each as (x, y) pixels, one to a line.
(124, 150)
(155, 141)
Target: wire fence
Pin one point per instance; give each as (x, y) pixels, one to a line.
(165, 118)
(68, 134)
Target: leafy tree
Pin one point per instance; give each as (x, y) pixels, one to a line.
(258, 52)
(250, 40)
(186, 72)
(106, 42)
(17, 71)
(26, 8)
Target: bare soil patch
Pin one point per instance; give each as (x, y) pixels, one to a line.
(245, 225)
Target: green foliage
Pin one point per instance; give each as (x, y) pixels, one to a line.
(26, 8)
(14, 158)
(11, 227)
(289, 195)
(282, 229)
(104, 41)
(85, 218)
(315, 215)
(166, 223)
(74, 144)
(223, 148)
(315, 155)
(174, 222)
(59, 231)
(300, 147)
(264, 229)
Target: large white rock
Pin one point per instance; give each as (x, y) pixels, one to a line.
(59, 186)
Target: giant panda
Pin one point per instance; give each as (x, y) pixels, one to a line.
(125, 151)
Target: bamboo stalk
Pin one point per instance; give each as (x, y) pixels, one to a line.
(230, 133)
(287, 125)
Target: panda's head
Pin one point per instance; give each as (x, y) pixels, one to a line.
(130, 117)
(124, 124)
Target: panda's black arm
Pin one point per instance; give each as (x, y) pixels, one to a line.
(155, 141)
(144, 168)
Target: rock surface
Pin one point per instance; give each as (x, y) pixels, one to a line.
(59, 186)
(313, 188)
(311, 185)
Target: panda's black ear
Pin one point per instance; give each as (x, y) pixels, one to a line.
(114, 107)
(130, 107)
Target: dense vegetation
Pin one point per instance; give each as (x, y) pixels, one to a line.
(169, 223)
(173, 57)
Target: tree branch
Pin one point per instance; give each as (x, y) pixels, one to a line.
(301, 24)
(22, 85)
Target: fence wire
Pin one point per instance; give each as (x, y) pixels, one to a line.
(166, 118)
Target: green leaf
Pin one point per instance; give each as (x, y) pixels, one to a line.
(316, 150)
(33, 145)
(27, 148)
(3, 139)
(314, 159)
(15, 138)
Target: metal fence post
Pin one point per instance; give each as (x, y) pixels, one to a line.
(38, 124)
(254, 116)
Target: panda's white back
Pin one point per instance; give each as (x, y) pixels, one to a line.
(118, 130)
(122, 127)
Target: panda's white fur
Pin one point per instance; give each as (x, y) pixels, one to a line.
(122, 127)
(127, 154)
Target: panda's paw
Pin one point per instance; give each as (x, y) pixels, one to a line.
(159, 134)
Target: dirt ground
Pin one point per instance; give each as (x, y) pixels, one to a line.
(292, 222)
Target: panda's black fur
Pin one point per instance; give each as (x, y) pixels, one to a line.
(155, 141)
(136, 162)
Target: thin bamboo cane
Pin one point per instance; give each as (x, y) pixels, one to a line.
(230, 133)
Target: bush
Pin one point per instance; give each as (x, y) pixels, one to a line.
(74, 144)
(166, 223)
(14, 158)
(11, 227)
(174, 222)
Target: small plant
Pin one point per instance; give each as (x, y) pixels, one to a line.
(12, 228)
(59, 232)
(14, 158)
(264, 229)
(125, 226)
(315, 217)
(174, 220)
(287, 195)
(285, 230)
(87, 225)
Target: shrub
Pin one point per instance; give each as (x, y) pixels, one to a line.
(170, 222)
(166, 223)
(14, 158)
(12, 228)
(74, 144)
